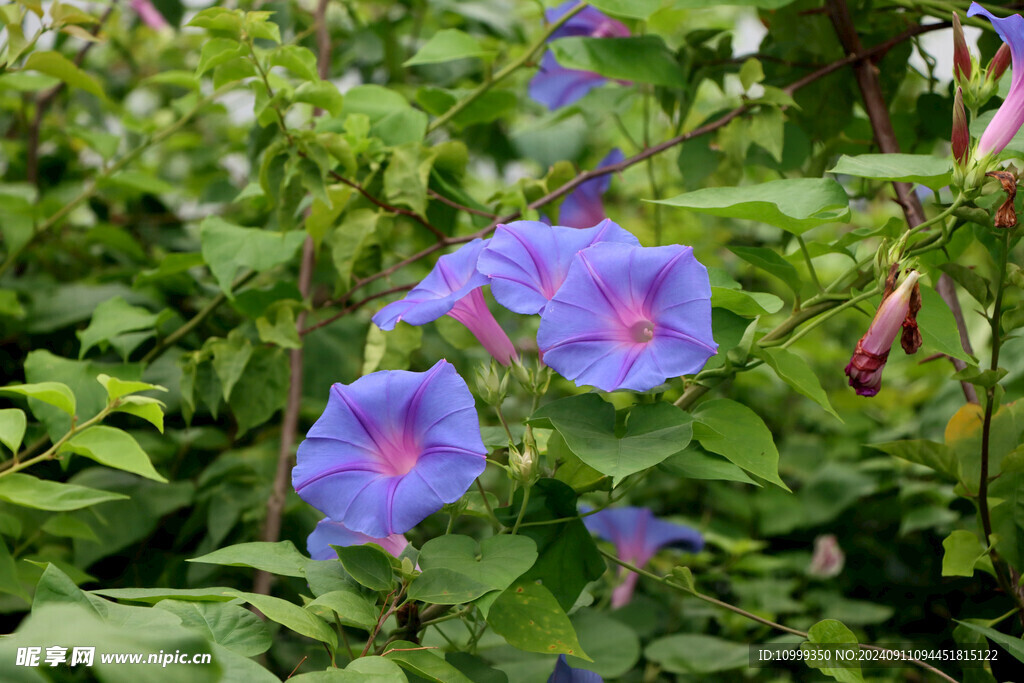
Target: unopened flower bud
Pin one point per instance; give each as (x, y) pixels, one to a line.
(523, 464)
(961, 55)
(999, 64)
(868, 361)
(961, 134)
(491, 383)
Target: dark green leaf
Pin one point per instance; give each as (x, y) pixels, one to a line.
(28, 491)
(934, 172)
(368, 565)
(687, 653)
(794, 371)
(279, 558)
(530, 618)
(731, 429)
(644, 59)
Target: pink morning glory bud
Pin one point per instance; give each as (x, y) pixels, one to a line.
(999, 64)
(961, 55)
(865, 368)
(961, 134)
(149, 14)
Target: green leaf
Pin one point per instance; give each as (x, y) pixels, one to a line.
(116, 388)
(232, 626)
(937, 456)
(769, 261)
(279, 558)
(938, 326)
(962, 552)
(935, 172)
(749, 304)
(631, 9)
(138, 182)
(567, 556)
(57, 65)
(9, 582)
(112, 447)
(28, 491)
(687, 653)
(643, 59)
(452, 574)
(529, 618)
(587, 423)
(12, 428)
(731, 429)
(750, 73)
(695, 464)
(155, 595)
(391, 349)
(832, 632)
(290, 615)
(1015, 646)
(793, 204)
(368, 669)
(976, 285)
(368, 565)
(227, 247)
(423, 663)
(322, 94)
(111, 320)
(407, 175)
(67, 526)
(282, 331)
(217, 51)
(262, 389)
(52, 393)
(446, 45)
(299, 60)
(348, 240)
(230, 356)
(614, 646)
(794, 371)
(352, 608)
(149, 409)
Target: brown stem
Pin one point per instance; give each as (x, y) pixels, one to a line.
(289, 425)
(388, 207)
(885, 137)
(44, 100)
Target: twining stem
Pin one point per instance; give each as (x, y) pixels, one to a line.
(809, 262)
(508, 70)
(677, 585)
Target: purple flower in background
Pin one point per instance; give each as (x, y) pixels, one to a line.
(328, 533)
(1010, 116)
(629, 317)
(638, 535)
(453, 288)
(149, 14)
(555, 86)
(527, 261)
(390, 449)
(564, 673)
(868, 361)
(583, 207)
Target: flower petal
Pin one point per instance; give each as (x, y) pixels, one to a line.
(583, 207)
(554, 86)
(527, 261)
(1010, 116)
(328, 533)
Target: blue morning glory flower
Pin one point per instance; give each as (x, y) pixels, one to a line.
(391, 448)
(629, 317)
(555, 86)
(638, 535)
(453, 288)
(564, 673)
(583, 207)
(328, 533)
(527, 261)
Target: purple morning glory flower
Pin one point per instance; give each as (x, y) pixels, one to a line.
(527, 261)
(328, 533)
(564, 673)
(555, 86)
(453, 288)
(1010, 116)
(638, 535)
(629, 317)
(391, 448)
(583, 207)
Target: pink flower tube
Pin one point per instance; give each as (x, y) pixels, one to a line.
(865, 368)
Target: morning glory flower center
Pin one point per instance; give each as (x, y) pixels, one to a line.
(642, 331)
(398, 460)
(606, 29)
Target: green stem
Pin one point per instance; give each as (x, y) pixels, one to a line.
(810, 263)
(90, 190)
(824, 317)
(10, 466)
(522, 510)
(504, 73)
